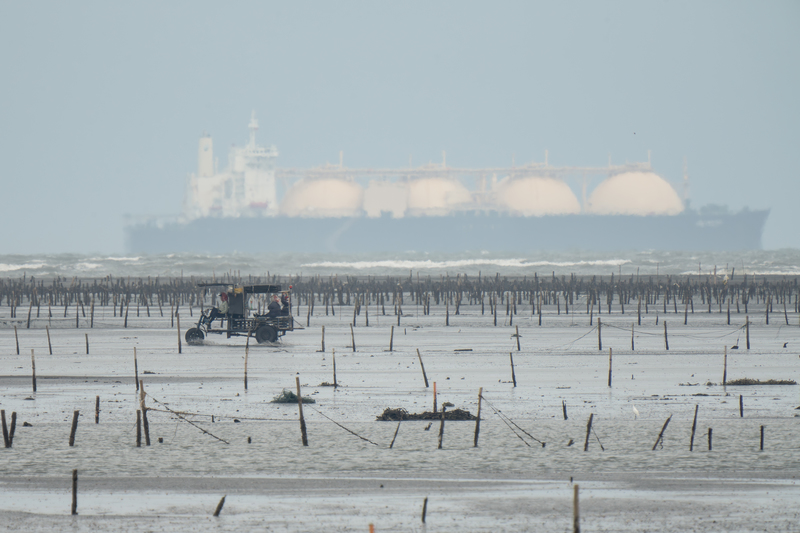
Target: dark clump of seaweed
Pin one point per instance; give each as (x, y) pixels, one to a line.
(288, 396)
(750, 381)
(396, 415)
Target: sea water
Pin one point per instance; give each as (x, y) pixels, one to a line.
(758, 262)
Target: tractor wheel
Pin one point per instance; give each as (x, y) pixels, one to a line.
(266, 334)
(194, 336)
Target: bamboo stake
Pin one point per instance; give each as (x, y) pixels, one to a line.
(74, 428)
(143, 407)
(422, 366)
(478, 418)
(661, 433)
(178, 319)
(74, 492)
(588, 432)
(303, 433)
(576, 519)
(219, 506)
(694, 427)
(441, 428)
(33, 370)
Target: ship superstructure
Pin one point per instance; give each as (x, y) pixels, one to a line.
(246, 188)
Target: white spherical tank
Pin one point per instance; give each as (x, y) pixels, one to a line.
(386, 197)
(323, 198)
(436, 196)
(536, 196)
(635, 193)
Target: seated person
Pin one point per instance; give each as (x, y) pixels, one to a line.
(285, 304)
(274, 307)
(219, 312)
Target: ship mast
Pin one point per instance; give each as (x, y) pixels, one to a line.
(253, 126)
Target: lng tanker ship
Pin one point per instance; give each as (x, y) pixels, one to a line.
(432, 208)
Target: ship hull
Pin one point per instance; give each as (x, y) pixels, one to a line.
(454, 233)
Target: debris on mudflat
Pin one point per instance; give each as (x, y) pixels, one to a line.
(288, 396)
(750, 381)
(396, 415)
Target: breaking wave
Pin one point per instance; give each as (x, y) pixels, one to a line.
(459, 263)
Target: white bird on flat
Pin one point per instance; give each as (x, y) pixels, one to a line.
(635, 413)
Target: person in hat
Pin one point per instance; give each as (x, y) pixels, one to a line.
(219, 312)
(274, 307)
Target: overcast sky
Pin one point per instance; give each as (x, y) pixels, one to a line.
(102, 103)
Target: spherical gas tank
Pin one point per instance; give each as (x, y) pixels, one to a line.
(635, 193)
(536, 196)
(323, 198)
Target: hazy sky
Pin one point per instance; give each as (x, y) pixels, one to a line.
(102, 103)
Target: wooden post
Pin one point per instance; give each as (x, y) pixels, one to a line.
(87, 343)
(74, 428)
(709, 439)
(91, 313)
(576, 518)
(762, 439)
(219, 506)
(6, 440)
(599, 335)
(517, 336)
(447, 311)
(353, 337)
(143, 407)
(424, 508)
(138, 428)
(49, 346)
(16, 338)
(588, 432)
(33, 370)
(136, 368)
(422, 366)
(434, 397)
(694, 427)
(741, 407)
(513, 375)
(178, 323)
(633, 347)
(335, 384)
(639, 311)
(247, 356)
(303, 433)
(725, 367)
(74, 492)
(478, 419)
(441, 428)
(323, 337)
(666, 339)
(564, 409)
(77, 316)
(395, 434)
(97, 409)
(391, 340)
(747, 330)
(661, 433)
(609, 366)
